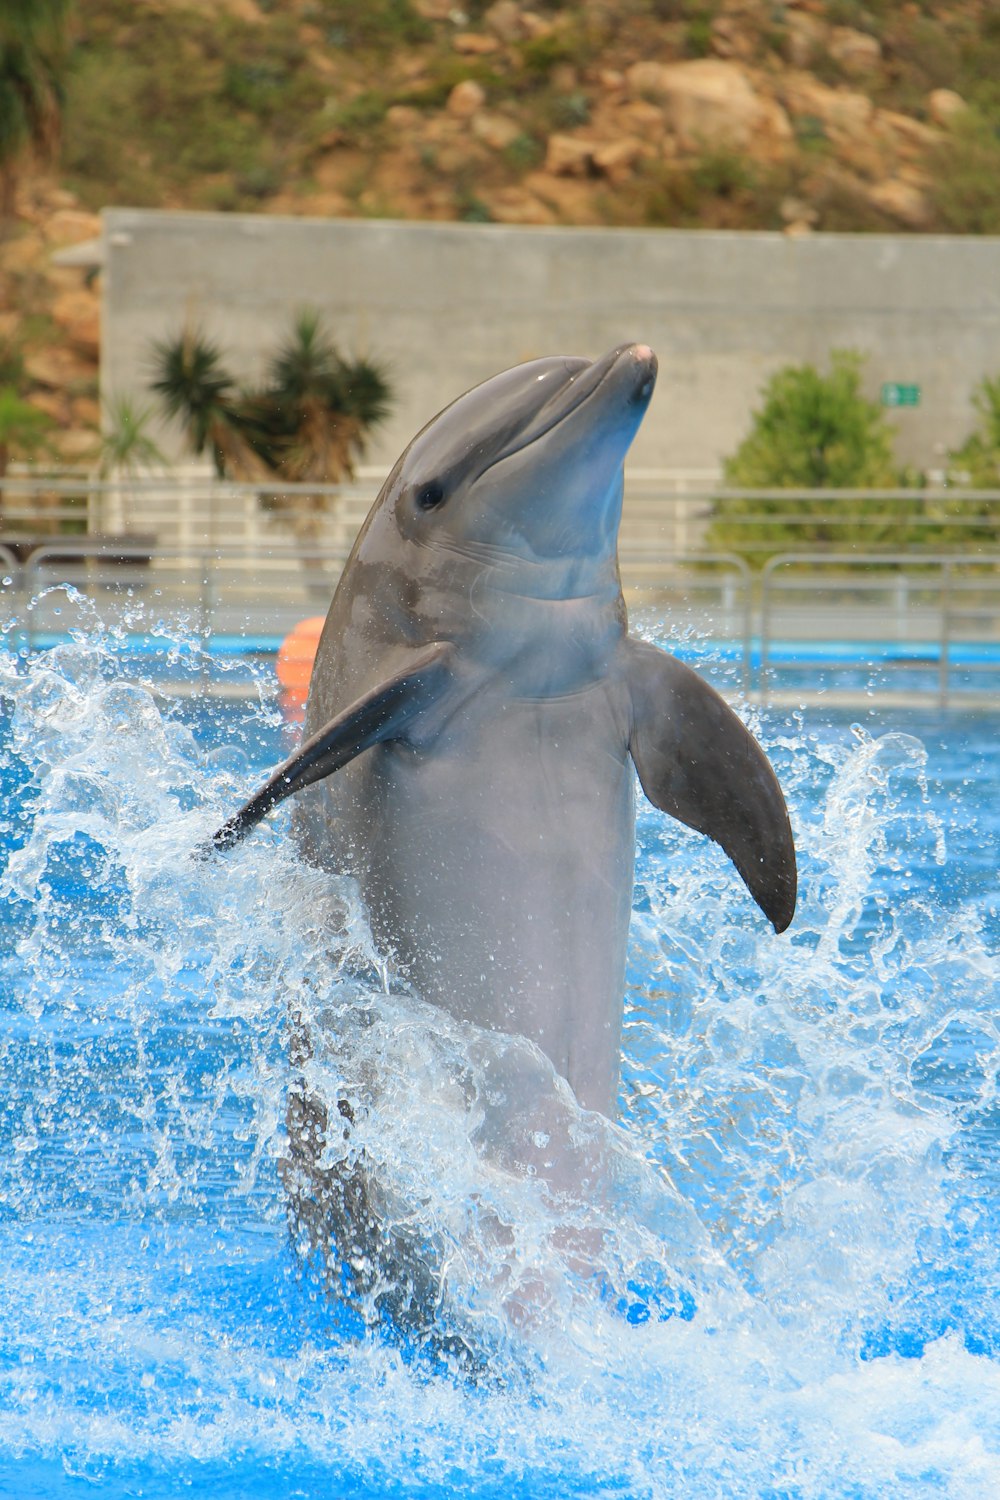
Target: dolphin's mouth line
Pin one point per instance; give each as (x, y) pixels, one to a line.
(495, 561)
(562, 404)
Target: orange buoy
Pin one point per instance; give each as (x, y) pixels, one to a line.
(295, 660)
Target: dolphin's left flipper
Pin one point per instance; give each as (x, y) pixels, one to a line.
(697, 761)
(381, 714)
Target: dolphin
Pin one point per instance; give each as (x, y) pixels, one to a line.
(477, 707)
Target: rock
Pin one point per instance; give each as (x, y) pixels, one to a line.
(794, 211)
(774, 134)
(805, 39)
(474, 44)
(26, 253)
(616, 159)
(611, 80)
(78, 313)
(944, 106)
(513, 205)
(75, 445)
(404, 117)
(320, 205)
(413, 69)
(916, 174)
(64, 279)
(85, 411)
(649, 80)
(640, 118)
(496, 131)
(846, 116)
(730, 38)
(536, 26)
(71, 226)
(571, 198)
(902, 201)
(434, 10)
(57, 368)
(243, 10)
(857, 53)
(904, 135)
(53, 403)
(710, 103)
(465, 98)
(568, 156)
(455, 157)
(505, 19)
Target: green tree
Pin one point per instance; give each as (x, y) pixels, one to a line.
(308, 423)
(32, 61)
(813, 431)
(201, 394)
(312, 418)
(126, 446)
(24, 430)
(976, 465)
(126, 451)
(977, 462)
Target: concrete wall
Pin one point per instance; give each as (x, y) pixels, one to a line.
(445, 305)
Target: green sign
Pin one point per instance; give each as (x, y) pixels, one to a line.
(894, 394)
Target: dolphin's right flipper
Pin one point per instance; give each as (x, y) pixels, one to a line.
(698, 761)
(381, 714)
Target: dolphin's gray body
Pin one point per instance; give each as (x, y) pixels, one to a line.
(479, 697)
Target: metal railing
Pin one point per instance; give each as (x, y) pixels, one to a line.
(914, 614)
(188, 506)
(922, 623)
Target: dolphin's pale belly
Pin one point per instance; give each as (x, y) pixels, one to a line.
(496, 866)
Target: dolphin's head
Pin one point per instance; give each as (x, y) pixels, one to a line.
(528, 464)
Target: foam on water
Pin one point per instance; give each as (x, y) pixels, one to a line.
(778, 1276)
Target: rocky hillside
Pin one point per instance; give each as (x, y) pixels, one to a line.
(810, 114)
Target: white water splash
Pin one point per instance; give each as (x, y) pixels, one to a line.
(796, 1154)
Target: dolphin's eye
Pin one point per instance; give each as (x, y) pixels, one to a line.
(430, 496)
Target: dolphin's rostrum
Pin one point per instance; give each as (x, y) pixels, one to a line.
(479, 697)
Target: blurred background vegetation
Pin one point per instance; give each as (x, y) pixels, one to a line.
(235, 105)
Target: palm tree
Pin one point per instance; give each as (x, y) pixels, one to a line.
(126, 451)
(126, 446)
(311, 418)
(307, 424)
(310, 421)
(32, 52)
(203, 396)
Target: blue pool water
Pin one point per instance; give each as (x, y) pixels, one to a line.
(793, 1275)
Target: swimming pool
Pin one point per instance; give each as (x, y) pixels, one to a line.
(808, 1161)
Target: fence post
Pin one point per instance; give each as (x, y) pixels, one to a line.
(944, 644)
(746, 585)
(765, 630)
(206, 598)
(14, 590)
(902, 606)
